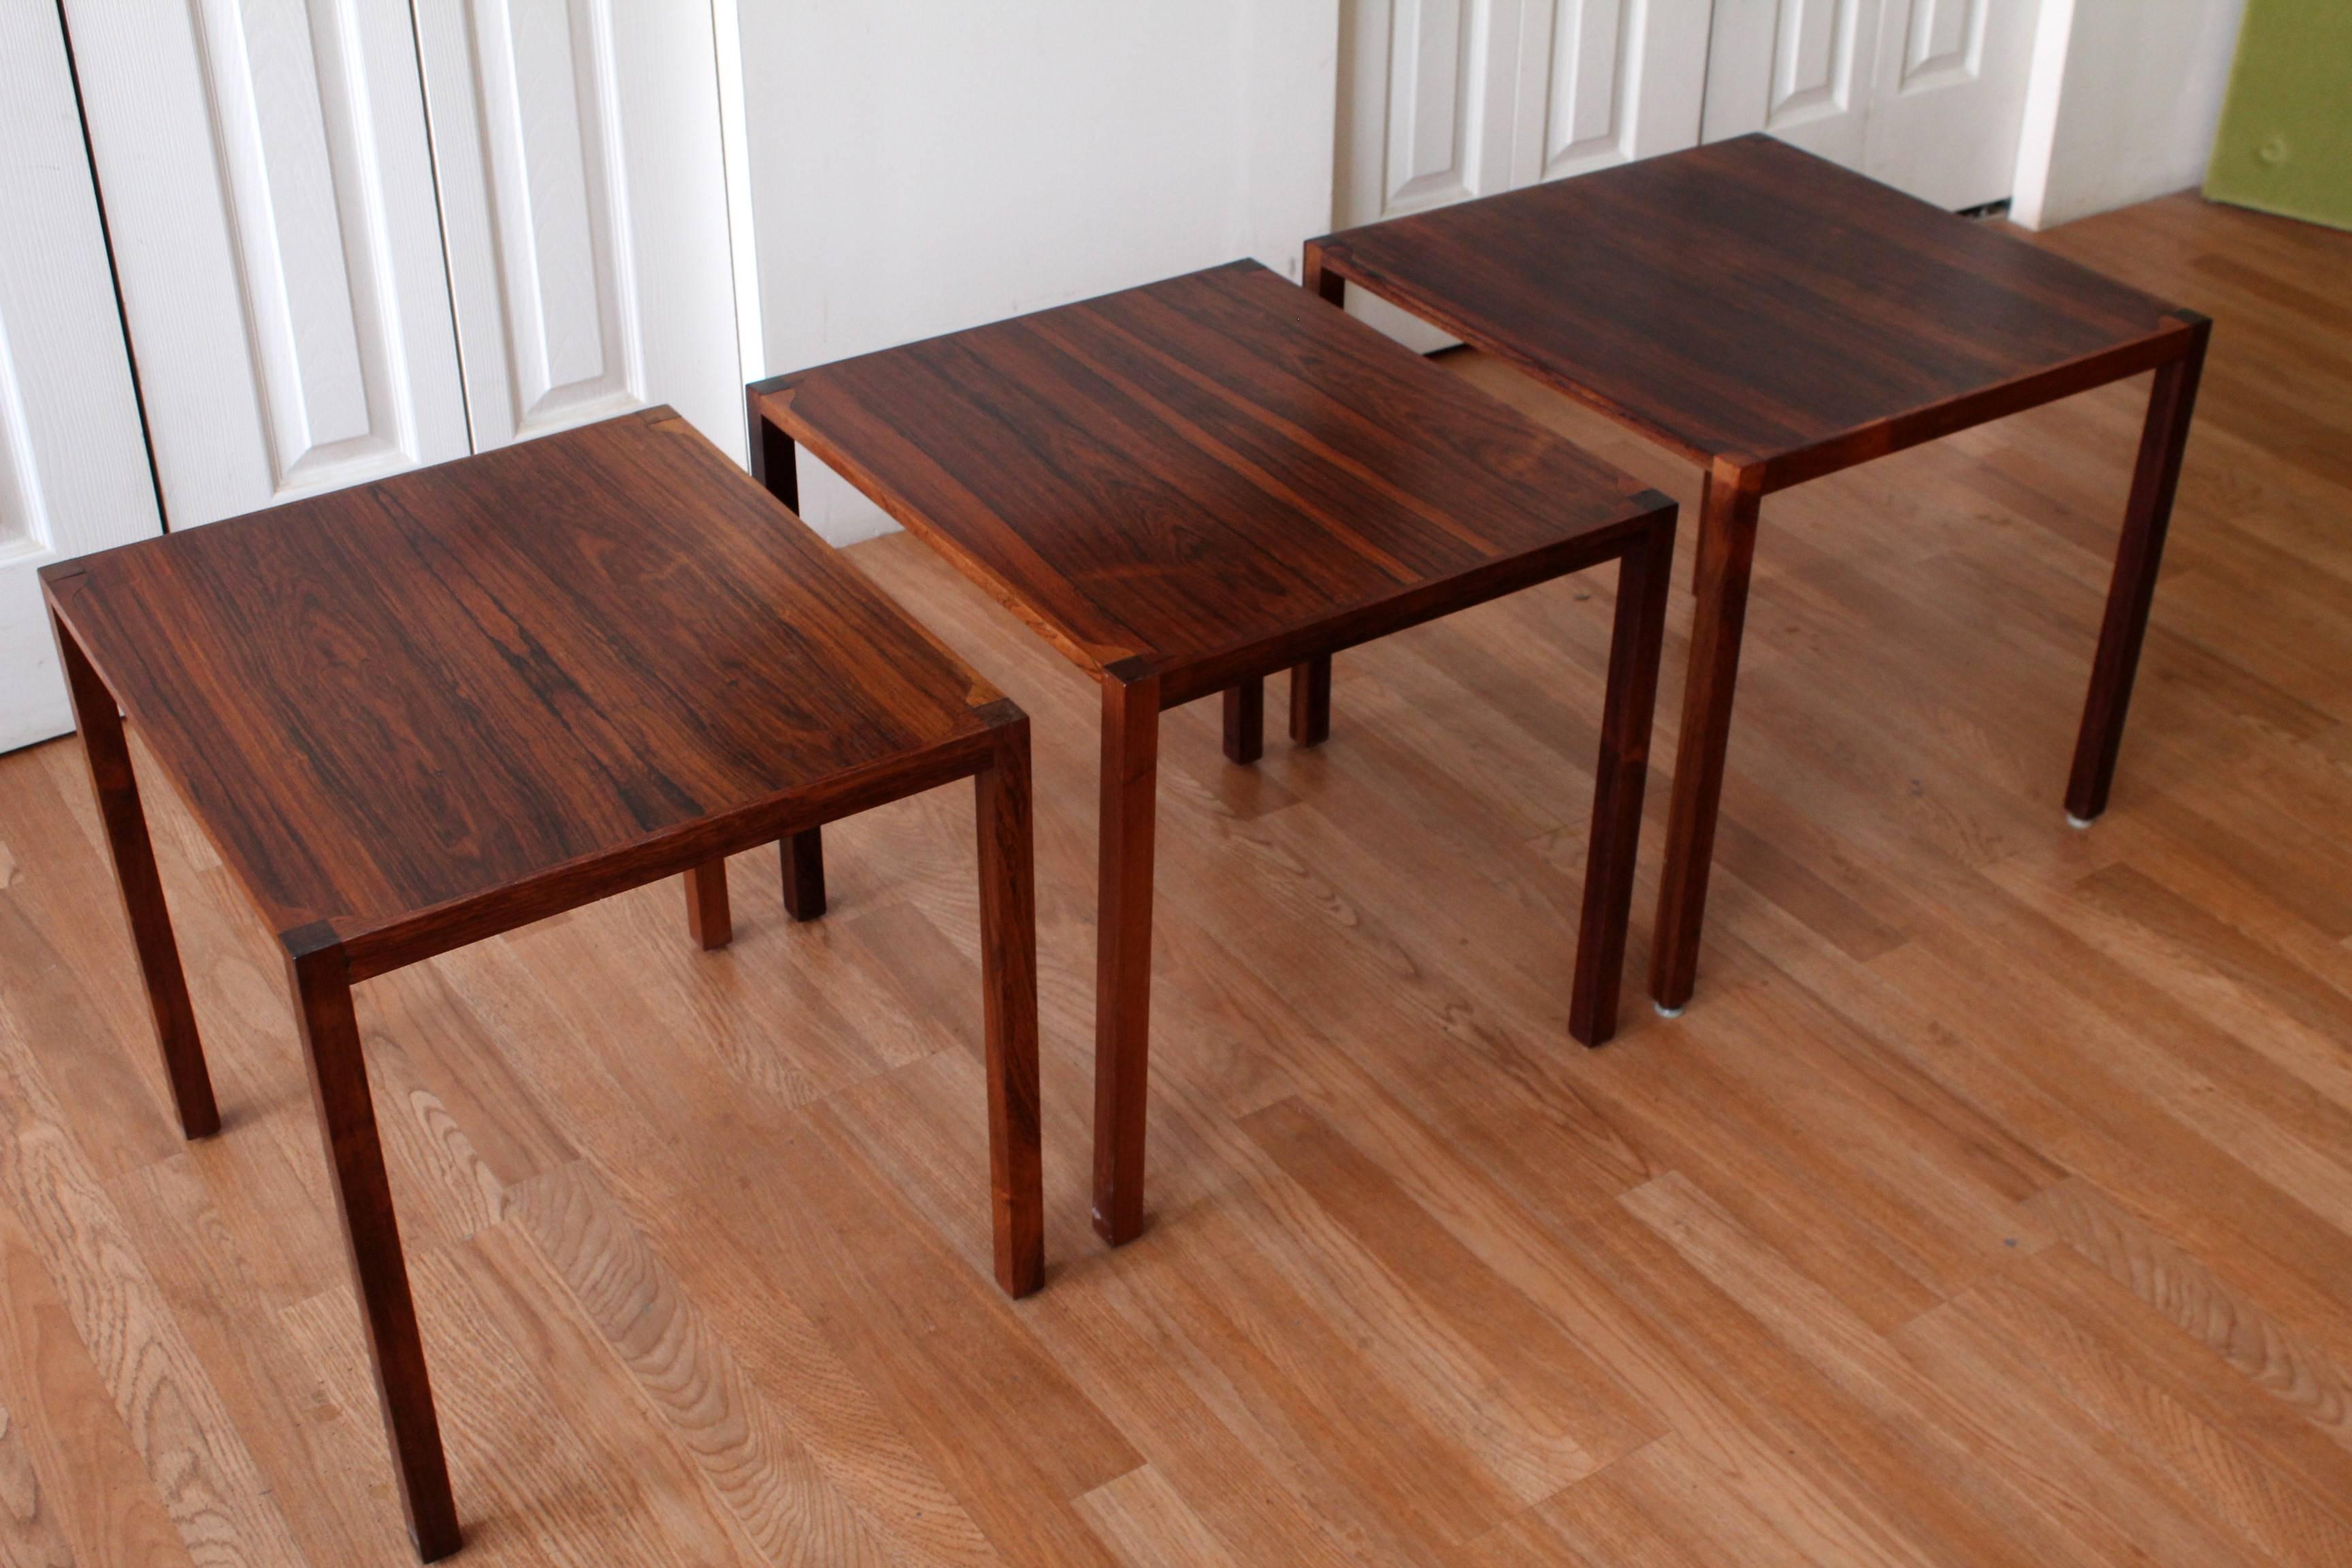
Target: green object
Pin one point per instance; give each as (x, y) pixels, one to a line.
(2285, 140)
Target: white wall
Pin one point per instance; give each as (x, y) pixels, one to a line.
(927, 166)
(2123, 103)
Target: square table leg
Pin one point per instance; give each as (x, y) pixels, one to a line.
(1726, 548)
(1246, 720)
(707, 918)
(1310, 701)
(133, 852)
(1008, 953)
(339, 1086)
(803, 867)
(1131, 776)
(775, 463)
(1618, 783)
(2138, 554)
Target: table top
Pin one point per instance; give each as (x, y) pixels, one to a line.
(387, 701)
(1207, 477)
(1751, 302)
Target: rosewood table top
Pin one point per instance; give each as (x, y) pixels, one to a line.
(1750, 301)
(391, 703)
(1209, 477)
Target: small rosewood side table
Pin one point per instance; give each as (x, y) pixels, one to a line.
(1775, 317)
(426, 710)
(1188, 486)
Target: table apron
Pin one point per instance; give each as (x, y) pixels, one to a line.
(1923, 425)
(1215, 672)
(416, 937)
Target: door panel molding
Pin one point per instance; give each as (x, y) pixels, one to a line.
(1943, 43)
(1928, 95)
(270, 195)
(1427, 111)
(1606, 81)
(584, 198)
(309, 206)
(1445, 100)
(1815, 53)
(524, 103)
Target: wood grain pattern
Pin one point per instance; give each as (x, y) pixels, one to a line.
(570, 697)
(1775, 317)
(1188, 486)
(1208, 476)
(1990, 1211)
(1749, 303)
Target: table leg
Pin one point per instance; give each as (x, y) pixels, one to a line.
(1643, 575)
(804, 854)
(1131, 764)
(707, 918)
(1328, 286)
(775, 455)
(2138, 554)
(1726, 546)
(1246, 720)
(133, 852)
(339, 1086)
(1008, 954)
(775, 464)
(1310, 701)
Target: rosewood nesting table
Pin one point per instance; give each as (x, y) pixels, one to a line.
(1775, 317)
(1188, 486)
(426, 710)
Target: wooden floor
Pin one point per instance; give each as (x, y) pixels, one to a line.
(1991, 1204)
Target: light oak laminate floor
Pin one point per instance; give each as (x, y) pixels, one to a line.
(1991, 1204)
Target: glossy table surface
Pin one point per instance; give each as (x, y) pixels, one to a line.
(1184, 477)
(385, 700)
(1747, 300)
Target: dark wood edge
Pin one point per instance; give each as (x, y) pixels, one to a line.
(394, 944)
(1199, 678)
(1334, 261)
(1921, 425)
(303, 941)
(1330, 257)
(421, 934)
(775, 404)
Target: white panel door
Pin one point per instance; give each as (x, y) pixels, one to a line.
(73, 472)
(1926, 95)
(1802, 69)
(1606, 81)
(584, 191)
(1430, 104)
(269, 191)
(1950, 98)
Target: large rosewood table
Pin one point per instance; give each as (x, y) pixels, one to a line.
(1188, 486)
(420, 712)
(1773, 317)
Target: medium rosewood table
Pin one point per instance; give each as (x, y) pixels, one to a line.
(1766, 313)
(420, 712)
(1188, 486)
